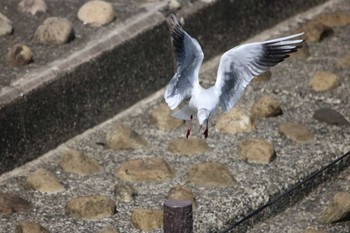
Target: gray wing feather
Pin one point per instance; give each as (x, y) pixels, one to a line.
(189, 57)
(241, 64)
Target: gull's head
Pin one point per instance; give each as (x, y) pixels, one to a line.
(202, 115)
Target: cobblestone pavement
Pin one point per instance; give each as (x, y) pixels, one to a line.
(119, 173)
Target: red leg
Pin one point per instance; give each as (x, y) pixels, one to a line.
(206, 130)
(189, 127)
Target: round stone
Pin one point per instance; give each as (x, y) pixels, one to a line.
(161, 117)
(54, 31)
(174, 5)
(316, 31)
(296, 132)
(152, 169)
(74, 161)
(44, 181)
(188, 146)
(236, 120)
(266, 106)
(210, 174)
(313, 231)
(30, 227)
(96, 13)
(337, 210)
(323, 81)
(335, 19)
(121, 137)
(32, 6)
(147, 219)
(256, 151)
(109, 229)
(344, 61)
(5, 25)
(19, 55)
(91, 207)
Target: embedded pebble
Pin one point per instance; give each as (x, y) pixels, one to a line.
(181, 192)
(337, 209)
(5, 25)
(237, 120)
(30, 227)
(266, 106)
(210, 174)
(302, 53)
(96, 13)
(74, 161)
(312, 231)
(330, 117)
(324, 81)
(147, 219)
(32, 6)
(44, 181)
(124, 192)
(91, 207)
(296, 132)
(109, 229)
(19, 55)
(121, 137)
(264, 77)
(161, 117)
(336, 19)
(344, 62)
(54, 31)
(151, 169)
(256, 151)
(316, 31)
(188, 146)
(11, 203)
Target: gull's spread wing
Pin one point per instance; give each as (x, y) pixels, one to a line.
(189, 57)
(241, 64)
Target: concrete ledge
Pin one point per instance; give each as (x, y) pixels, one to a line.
(56, 102)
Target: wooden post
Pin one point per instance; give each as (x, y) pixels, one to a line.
(178, 216)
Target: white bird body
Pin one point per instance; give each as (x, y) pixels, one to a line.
(237, 68)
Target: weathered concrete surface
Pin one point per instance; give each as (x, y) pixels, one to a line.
(48, 103)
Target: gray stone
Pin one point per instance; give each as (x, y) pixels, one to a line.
(147, 219)
(210, 174)
(74, 161)
(124, 192)
(188, 146)
(152, 169)
(30, 227)
(237, 120)
(330, 117)
(296, 132)
(32, 6)
(256, 151)
(338, 208)
(10, 203)
(161, 117)
(54, 31)
(96, 13)
(324, 81)
(121, 137)
(44, 181)
(266, 106)
(19, 55)
(5, 25)
(91, 207)
(181, 192)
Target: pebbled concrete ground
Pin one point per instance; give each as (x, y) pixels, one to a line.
(216, 206)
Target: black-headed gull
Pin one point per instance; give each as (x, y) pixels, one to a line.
(238, 66)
